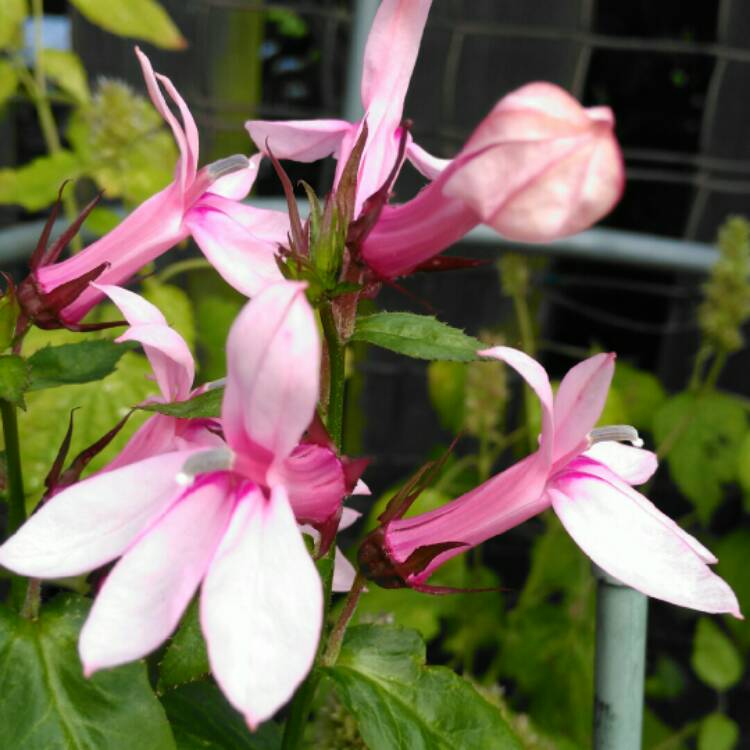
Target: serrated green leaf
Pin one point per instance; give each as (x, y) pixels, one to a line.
(36, 184)
(204, 405)
(718, 732)
(186, 657)
(140, 19)
(420, 336)
(8, 81)
(73, 363)
(12, 14)
(702, 435)
(66, 70)
(202, 719)
(715, 658)
(175, 306)
(399, 702)
(100, 405)
(445, 385)
(14, 379)
(48, 703)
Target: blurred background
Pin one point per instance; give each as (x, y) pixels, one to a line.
(648, 287)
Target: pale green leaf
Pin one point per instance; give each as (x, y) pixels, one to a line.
(67, 71)
(140, 19)
(733, 551)
(12, 14)
(102, 220)
(715, 658)
(445, 385)
(48, 703)
(204, 405)
(186, 657)
(718, 732)
(399, 702)
(14, 379)
(8, 81)
(640, 393)
(420, 336)
(701, 436)
(36, 184)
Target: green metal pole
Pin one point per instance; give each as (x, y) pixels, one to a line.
(621, 616)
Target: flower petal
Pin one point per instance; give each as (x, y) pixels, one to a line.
(301, 140)
(344, 572)
(156, 435)
(237, 185)
(633, 465)
(428, 165)
(579, 402)
(261, 606)
(536, 376)
(245, 261)
(144, 596)
(166, 350)
(94, 521)
(314, 481)
(273, 366)
(636, 546)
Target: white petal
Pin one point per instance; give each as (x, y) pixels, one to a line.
(633, 465)
(144, 596)
(94, 521)
(261, 606)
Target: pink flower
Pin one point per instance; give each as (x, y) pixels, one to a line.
(174, 370)
(390, 55)
(538, 167)
(232, 531)
(240, 241)
(587, 482)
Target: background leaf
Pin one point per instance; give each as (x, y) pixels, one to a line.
(35, 185)
(715, 659)
(175, 305)
(718, 732)
(8, 80)
(66, 70)
(420, 336)
(702, 435)
(206, 404)
(202, 719)
(48, 703)
(14, 379)
(141, 19)
(12, 14)
(186, 657)
(399, 702)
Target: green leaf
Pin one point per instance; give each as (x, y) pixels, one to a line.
(186, 657)
(289, 23)
(667, 680)
(701, 435)
(202, 719)
(66, 70)
(48, 703)
(206, 405)
(12, 15)
(399, 702)
(715, 658)
(641, 394)
(35, 185)
(718, 732)
(102, 220)
(175, 305)
(420, 336)
(74, 363)
(100, 405)
(14, 379)
(445, 384)
(140, 19)
(733, 551)
(8, 81)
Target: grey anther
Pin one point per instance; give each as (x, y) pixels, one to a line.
(617, 433)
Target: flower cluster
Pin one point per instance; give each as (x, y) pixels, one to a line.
(224, 504)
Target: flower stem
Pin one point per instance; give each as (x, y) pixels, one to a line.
(299, 711)
(16, 501)
(526, 329)
(336, 638)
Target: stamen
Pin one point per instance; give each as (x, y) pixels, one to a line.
(214, 384)
(616, 432)
(227, 165)
(203, 462)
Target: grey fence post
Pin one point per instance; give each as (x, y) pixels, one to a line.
(621, 616)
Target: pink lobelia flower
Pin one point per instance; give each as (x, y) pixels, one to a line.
(174, 371)
(239, 240)
(537, 168)
(232, 530)
(586, 477)
(390, 55)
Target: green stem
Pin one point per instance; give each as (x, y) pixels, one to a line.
(183, 266)
(714, 371)
(299, 711)
(336, 364)
(700, 360)
(528, 344)
(16, 500)
(336, 638)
